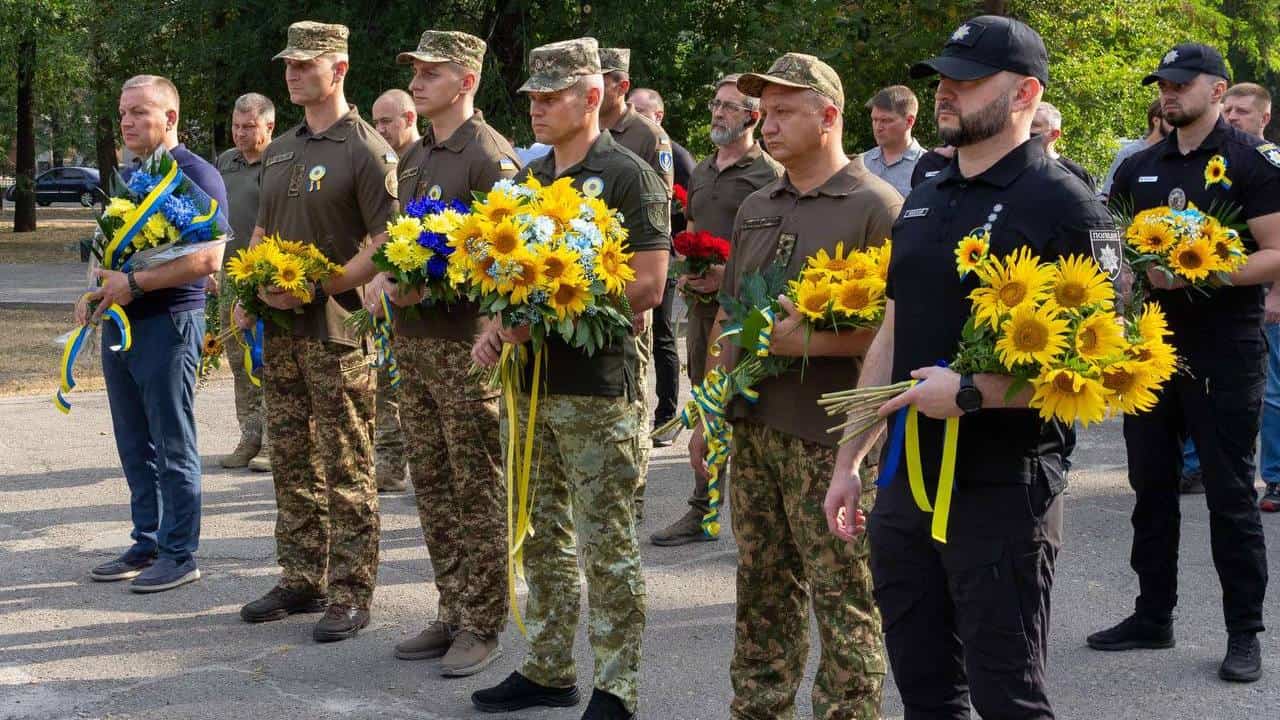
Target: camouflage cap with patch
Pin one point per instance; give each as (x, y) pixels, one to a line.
(447, 46)
(615, 60)
(796, 70)
(557, 66)
(309, 40)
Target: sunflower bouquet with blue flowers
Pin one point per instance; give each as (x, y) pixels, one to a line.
(417, 249)
(1199, 248)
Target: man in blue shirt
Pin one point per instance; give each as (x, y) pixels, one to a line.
(151, 387)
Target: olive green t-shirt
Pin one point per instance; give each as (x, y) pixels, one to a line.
(242, 180)
(780, 224)
(470, 160)
(715, 196)
(627, 184)
(334, 189)
(649, 141)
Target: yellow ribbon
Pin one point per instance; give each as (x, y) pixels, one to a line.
(519, 495)
(71, 351)
(139, 216)
(946, 473)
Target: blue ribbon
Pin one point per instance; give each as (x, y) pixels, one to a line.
(896, 439)
(253, 352)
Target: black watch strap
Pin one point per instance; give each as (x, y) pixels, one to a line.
(968, 397)
(134, 287)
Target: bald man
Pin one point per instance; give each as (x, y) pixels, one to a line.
(396, 120)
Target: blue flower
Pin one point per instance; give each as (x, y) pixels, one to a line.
(437, 266)
(141, 182)
(179, 211)
(459, 206)
(435, 242)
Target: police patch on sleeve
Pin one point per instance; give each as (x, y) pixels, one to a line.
(1270, 152)
(665, 161)
(392, 184)
(1107, 251)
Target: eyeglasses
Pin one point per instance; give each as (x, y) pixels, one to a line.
(715, 105)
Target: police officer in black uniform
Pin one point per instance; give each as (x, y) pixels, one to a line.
(968, 620)
(1217, 399)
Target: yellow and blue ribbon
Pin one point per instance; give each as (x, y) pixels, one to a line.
(904, 438)
(71, 352)
(121, 248)
(251, 342)
(383, 334)
(519, 476)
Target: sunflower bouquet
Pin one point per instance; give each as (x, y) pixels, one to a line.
(1193, 246)
(696, 252)
(835, 292)
(1052, 327)
(274, 262)
(417, 250)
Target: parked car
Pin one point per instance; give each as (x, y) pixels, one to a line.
(66, 184)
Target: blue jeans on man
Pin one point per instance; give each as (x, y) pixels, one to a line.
(151, 389)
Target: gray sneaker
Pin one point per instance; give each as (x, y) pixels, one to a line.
(128, 565)
(469, 654)
(165, 574)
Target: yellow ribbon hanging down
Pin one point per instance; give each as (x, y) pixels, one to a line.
(946, 473)
(519, 495)
(71, 351)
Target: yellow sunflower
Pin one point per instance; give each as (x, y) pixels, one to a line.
(524, 277)
(239, 270)
(833, 265)
(405, 227)
(557, 262)
(468, 234)
(293, 247)
(1192, 259)
(1099, 336)
(479, 272)
(1078, 283)
(858, 299)
(612, 267)
(1151, 236)
(497, 206)
(1215, 172)
(505, 238)
(1017, 280)
(972, 252)
(568, 296)
(885, 252)
(1032, 335)
(812, 298)
(288, 274)
(559, 201)
(1151, 323)
(1069, 396)
(1130, 386)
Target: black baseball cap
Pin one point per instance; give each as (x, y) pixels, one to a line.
(986, 45)
(1187, 60)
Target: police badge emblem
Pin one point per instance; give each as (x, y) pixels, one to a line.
(1270, 152)
(1177, 200)
(1108, 250)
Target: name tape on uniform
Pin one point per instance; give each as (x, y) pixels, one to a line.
(761, 222)
(915, 213)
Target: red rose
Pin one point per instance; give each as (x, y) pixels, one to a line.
(681, 195)
(684, 243)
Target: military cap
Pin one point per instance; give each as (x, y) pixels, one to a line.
(1186, 61)
(796, 70)
(447, 46)
(615, 60)
(309, 40)
(559, 65)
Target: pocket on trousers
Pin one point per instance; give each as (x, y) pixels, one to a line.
(988, 597)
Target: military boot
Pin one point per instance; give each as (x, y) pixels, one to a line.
(244, 452)
(430, 643)
(262, 461)
(688, 529)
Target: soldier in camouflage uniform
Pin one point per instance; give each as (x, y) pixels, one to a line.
(782, 455)
(649, 141)
(452, 417)
(586, 435)
(330, 181)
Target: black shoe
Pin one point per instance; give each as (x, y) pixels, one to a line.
(605, 706)
(340, 622)
(1244, 658)
(1132, 633)
(280, 603)
(518, 692)
(128, 565)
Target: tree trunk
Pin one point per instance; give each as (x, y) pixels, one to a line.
(57, 158)
(24, 206)
(995, 7)
(105, 151)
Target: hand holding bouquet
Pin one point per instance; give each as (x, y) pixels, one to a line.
(1188, 248)
(697, 252)
(275, 264)
(417, 250)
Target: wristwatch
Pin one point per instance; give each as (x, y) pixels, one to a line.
(134, 287)
(968, 397)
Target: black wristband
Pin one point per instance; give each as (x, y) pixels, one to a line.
(134, 287)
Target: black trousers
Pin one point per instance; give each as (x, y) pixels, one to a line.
(968, 620)
(1219, 406)
(666, 361)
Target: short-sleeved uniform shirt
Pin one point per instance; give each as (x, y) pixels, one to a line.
(1148, 179)
(930, 165)
(647, 139)
(333, 189)
(1026, 199)
(898, 173)
(779, 224)
(1076, 169)
(626, 184)
(242, 179)
(471, 159)
(715, 196)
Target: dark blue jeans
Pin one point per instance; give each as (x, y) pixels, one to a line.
(151, 389)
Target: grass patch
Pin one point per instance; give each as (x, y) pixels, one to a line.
(29, 357)
(55, 241)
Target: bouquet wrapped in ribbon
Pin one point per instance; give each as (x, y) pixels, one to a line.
(158, 215)
(551, 259)
(276, 263)
(1053, 328)
(696, 252)
(835, 292)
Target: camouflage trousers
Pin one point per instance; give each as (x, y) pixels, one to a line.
(583, 489)
(319, 400)
(644, 350)
(455, 461)
(787, 559)
(388, 439)
(250, 407)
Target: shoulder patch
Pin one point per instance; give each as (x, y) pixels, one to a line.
(392, 185)
(390, 158)
(1107, 250)
(665, 161)
(283, 157)
(756, 223)
(506, 165)
(664, 141)
(1270, 152)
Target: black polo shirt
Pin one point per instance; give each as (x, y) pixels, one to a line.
(1025, 199)
(928, 166)
(1148, 178)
